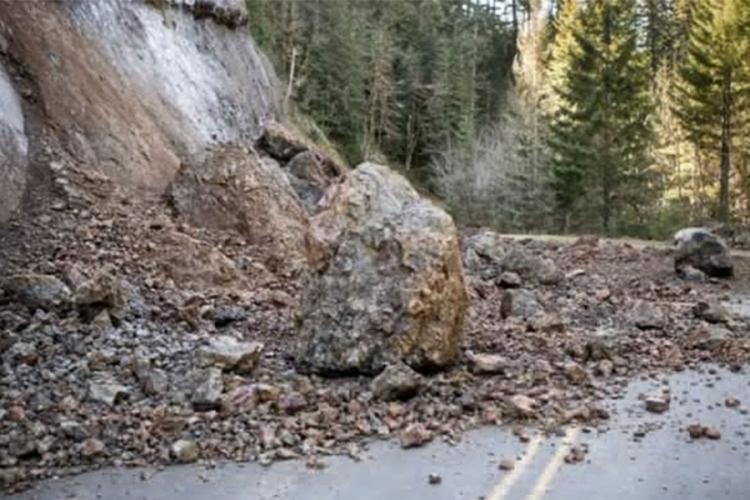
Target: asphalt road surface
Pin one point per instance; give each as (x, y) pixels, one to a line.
(662, 464)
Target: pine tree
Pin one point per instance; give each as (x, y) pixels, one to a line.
(601, 134)
(714, 91)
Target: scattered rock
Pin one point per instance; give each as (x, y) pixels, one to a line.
(507, 464)
(36, 290)
(397, 381)
(713, 433)
(709, 337)
(230, 354)
(703, 250)
(209, 386)
(388, 283)
(434, 478)
(520, 303)
(697, 431)
(732, 402)
(522, 406)
(509, 280)
(104, 388)
(647, 316)
(185, 451)
(487, 364)
(713, 312)
(657, 403)
(415, 435)
(292, 402)
(576, 455)
(92, 447)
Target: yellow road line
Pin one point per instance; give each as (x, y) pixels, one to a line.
(504, 486)
(549, 472)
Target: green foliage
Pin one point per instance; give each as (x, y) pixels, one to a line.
(601, 133)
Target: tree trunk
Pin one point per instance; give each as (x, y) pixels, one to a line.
(726, 150)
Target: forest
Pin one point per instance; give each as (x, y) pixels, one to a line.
(622, 117)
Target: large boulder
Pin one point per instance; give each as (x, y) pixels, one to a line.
(387, 283)
(13, 148)
(234, 189)
(701, 249)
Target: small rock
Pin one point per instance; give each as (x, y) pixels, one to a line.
(712, 312)
(434, 479)
(229, 354)
(487, 364)
(657, 403)
(689, 273)
(522, 406)
(509, 279)
(548, 273)
(709, 337)
(37, 290)
(732, 402)
(507, 464)
(92, 447)
(292, 402)
(185, 451)
(105, 389)
(712, 433)
(209, 387)
(647, 316)
(546, 323)
(397, 381)
(575, 372)
(576, 455)
(520, 303)
(73, 430)
(415, 435)
(696, 431)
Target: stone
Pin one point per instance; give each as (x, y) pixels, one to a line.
(657, 403)
(647, 316)
(575, 372)
(689, 273)
(235, 190)
(434, 478)
(509, 280)
(732, 402)
(713, 312)
(387, 283)
(487, 364)
(230, 13)
(415, 435)
(153, 381)
(281, 143)
(520, 303)
(73, 430)
(229, 354)
(105, 292)
(546, 322)
(36, 290)
(709, 337)
(696, 431)
(703, 250)
(209, 386)
(397, 382)
(311, 173)
(105, 389)
(548, 273)
(483, 249)
(185, 451)
(712, 433)
(92, 447)
(292, 402)
(506, 464)
(521, 405)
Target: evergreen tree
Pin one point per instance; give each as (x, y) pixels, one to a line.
(714, 91)
(601, 134)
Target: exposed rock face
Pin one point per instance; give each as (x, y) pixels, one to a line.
(132, 87)
(13, 148)
(234, 189)
(388, 282)
(703, 250)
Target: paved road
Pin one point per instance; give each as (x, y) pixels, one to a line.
(664, 464)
